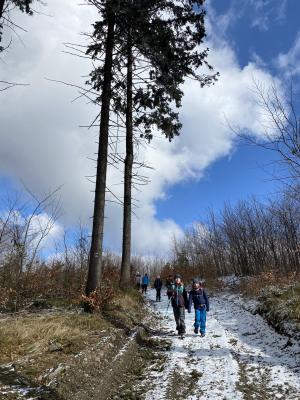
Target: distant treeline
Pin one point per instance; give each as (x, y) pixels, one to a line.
(29, 273)
(246, 239)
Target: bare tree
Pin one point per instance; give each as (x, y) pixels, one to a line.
(280, 132)
(246, 239)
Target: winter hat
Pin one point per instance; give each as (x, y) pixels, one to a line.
(177, 276)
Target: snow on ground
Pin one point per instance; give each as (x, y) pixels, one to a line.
(241, 357)
(231, 280)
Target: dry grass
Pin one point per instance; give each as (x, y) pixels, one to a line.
(282, 304)
(126, 309)
(32, 334)
(252, 286)
(279, 297)
(27, 339)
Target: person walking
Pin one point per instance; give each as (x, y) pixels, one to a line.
(145, 283)
(169, 281)
(200, 299)
(158, 285)
(138, 279)
(178, 296)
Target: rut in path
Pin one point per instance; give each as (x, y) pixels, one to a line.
(241, 357)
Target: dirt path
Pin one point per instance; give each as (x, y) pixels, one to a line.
(241, 357)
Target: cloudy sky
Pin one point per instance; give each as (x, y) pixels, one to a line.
(43, 145)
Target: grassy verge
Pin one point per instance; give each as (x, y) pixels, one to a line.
(58, 345)
(38, 334)
(278, 299)
(281, 306)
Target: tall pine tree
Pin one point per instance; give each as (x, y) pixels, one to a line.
(104, 30)
(163, 36)
(171, 45)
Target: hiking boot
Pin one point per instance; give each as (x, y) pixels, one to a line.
(196, 330)
(202, 334)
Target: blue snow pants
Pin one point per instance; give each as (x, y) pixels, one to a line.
(200, 319)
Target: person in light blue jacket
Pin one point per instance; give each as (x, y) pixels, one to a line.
(199, 297)
(145, 283)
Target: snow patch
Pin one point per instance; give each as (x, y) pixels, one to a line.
(240, 352)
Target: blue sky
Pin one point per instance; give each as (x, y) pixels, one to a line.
(43, 146)
(245, 173)
(264, 27)
(264, 32)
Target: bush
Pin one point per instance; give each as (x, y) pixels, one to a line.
(98, 299)
(54, 283)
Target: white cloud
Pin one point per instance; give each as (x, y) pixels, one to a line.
(266, 12)
(40, 232)
(289, 63)
(45, 230)
(261, 14)
(42, 144)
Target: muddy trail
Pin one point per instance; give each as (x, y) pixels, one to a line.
(241, 357)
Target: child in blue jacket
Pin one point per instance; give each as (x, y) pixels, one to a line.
(199, 297)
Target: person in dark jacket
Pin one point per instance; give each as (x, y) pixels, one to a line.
(200, 299)
(169, 281)
(158, 285)
(178, 296)
(138, 279)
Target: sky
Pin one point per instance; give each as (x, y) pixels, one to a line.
(43, 145)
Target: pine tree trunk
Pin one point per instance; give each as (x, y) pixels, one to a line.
(2, 2)
(95, 262)
(126, 246)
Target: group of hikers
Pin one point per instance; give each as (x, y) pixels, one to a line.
(181, 300)
(143, 283)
